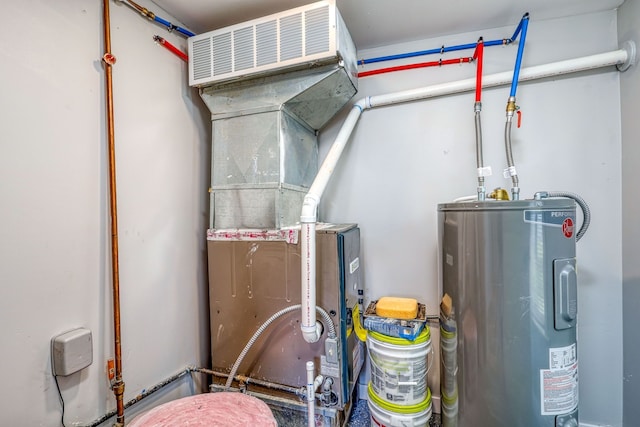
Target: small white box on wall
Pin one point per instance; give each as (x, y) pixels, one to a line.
(71, 351)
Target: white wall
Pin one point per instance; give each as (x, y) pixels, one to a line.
(402, 161)
(55, 269)
(629, 29)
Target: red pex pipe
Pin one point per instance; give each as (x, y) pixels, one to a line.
(171, 48)
(418, 65)
(478, 57)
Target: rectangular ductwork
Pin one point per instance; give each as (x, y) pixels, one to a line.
(270, 85)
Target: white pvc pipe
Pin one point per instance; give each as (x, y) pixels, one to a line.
(311, 396)
(309, 327)
(309, 214)
(501, 79)
(311, 330)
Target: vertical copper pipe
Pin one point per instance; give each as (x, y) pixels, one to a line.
(108, 59)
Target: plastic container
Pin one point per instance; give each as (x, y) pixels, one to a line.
(449, 371)
(399, 367)
(384, 414)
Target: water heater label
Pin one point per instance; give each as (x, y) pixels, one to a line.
(549, 218)
(559, 383)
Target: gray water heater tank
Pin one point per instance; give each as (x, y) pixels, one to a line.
(508, 338)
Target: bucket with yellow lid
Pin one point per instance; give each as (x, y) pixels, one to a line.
(399, 367)
(385, 414)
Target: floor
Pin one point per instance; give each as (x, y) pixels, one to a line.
(360, 416)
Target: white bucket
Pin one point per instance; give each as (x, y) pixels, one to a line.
(449, 410)
(399, 367)
(385, 414)
(449, 371)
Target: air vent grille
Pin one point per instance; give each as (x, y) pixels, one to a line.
(201, 58)
(316, 30)
(243, 48)
(305, 34)
(291, 37)
(222, 54)
(267, 43)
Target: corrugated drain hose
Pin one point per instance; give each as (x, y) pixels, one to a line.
(586, 213)
(325, 316)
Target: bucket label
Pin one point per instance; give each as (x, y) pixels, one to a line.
(559, 383)
(401, 381)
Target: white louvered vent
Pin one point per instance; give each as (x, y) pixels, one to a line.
(243, 57)
(291, 37)
(222, 55)
(261, 46)
(267, 43)
(201, 59)
(316, 30)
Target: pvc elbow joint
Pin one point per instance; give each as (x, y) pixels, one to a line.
(311, 333)
(363, 104)
(309, 212)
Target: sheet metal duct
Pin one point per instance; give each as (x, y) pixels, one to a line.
(270, 85)
(264, 148)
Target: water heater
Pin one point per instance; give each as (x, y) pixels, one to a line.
(509, 350)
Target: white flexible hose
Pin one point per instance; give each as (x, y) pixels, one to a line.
(325, 316)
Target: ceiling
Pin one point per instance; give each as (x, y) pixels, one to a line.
(375, 23)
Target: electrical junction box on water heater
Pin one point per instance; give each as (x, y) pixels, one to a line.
(253, 275)
(508, 346)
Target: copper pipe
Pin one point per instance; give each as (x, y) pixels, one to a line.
(108, 59)
(143, 10)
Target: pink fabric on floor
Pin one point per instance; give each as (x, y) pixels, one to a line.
(223, 409)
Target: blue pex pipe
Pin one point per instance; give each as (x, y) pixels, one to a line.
(518, 28)
(170, 26)
(444, 49)
(524, 23)
(419, 53)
